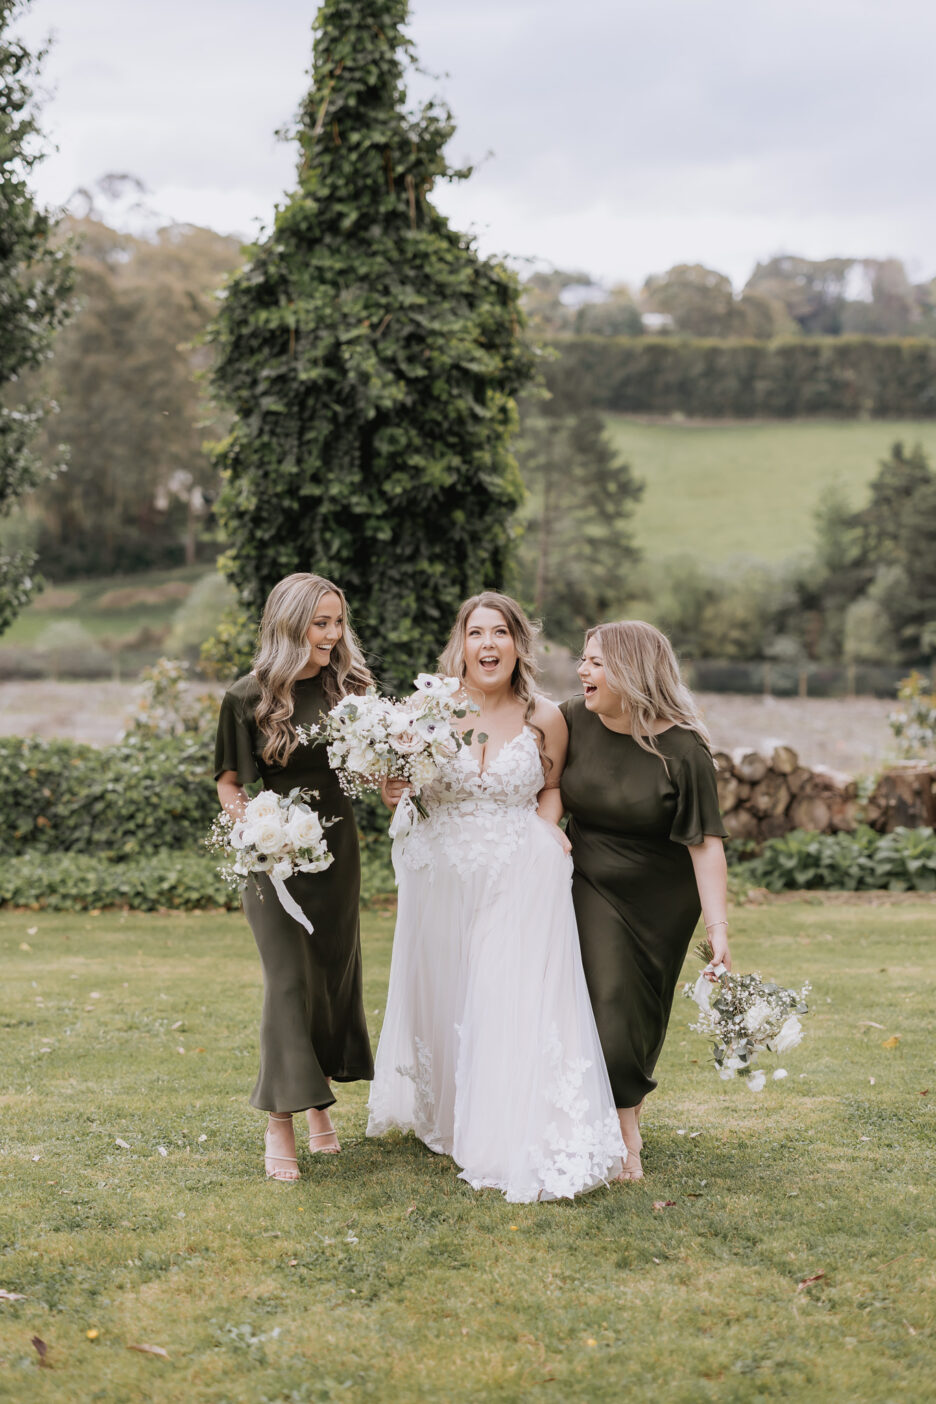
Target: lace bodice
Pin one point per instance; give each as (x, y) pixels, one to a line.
(477, 817)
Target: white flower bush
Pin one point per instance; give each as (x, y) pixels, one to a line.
(373, 738)
(746, 1016)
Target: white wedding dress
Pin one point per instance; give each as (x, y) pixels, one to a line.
(489, 1050)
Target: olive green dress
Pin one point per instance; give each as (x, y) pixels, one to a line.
(312, 1026)
(634, 889)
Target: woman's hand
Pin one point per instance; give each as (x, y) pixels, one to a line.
(392, 791)
(559, 835)
(721, 955)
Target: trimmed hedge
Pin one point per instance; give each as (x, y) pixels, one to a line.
(902, 861)
(788, 378)
(118, 801)
(76, 882)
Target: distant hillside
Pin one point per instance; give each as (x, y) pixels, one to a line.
(722, 490)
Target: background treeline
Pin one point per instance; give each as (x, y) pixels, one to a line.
(786, 295)
(137, 488)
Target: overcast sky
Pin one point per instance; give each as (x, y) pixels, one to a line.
(624, 137)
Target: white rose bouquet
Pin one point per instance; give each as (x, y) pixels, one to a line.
(373, 738)
(277, 834)
(746, 1015)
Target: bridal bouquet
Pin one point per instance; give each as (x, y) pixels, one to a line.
(746, 1015)
(373, 738)
(277, 834)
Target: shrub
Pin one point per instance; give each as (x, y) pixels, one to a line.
(146, 793)
(914, 724)
(74, 882)
(903, 861)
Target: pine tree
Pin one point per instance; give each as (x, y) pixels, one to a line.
(35, 282)
(370, 358)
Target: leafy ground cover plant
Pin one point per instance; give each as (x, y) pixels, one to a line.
(902, 861)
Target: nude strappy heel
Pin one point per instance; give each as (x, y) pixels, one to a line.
(282, 1174)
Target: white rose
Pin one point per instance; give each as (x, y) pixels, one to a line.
(789, 1035)
(406, 743)
(269, 835)
(237, 839)
(304, 830)
(263, 806)
(423, 770)
(361, 760)
(757, 1016)
(755, 1082)
(282, 869)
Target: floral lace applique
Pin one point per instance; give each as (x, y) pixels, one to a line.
(477, 819)
(582, 1153)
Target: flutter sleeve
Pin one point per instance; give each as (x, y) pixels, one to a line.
(234, 747)
(697, 810)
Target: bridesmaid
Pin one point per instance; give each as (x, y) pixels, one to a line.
(646, 833)
(312, 1028)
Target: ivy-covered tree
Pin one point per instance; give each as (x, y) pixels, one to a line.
(35, 281)
(371, 359)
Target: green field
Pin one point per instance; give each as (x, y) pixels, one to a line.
(720, 490)
(113, 607)
(383, 1277)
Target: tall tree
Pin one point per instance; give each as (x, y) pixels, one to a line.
(35, 281)
(370, 357)
(577, 555)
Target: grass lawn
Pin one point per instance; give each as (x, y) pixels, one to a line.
(721, 490)
(113, 606)
(383, 1277)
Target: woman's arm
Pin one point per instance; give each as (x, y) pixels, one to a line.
(711, 875)
(551, 722)
(231, 793)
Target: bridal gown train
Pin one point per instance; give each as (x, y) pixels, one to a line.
(489, 1050)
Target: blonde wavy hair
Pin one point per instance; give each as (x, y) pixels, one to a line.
(523, 632)
(642, 669)
(283, 652)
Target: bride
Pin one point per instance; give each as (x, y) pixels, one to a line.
(489, 1050)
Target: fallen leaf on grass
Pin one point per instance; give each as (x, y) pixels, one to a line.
(25, 946)
(909, 1328)
(816, 1277)
(202, 1137)
(32, 930)
(93, 1334)
(869, 1024)
(162, 1150)
(294, 1262)
(664, 1204)
(891, 1042)
(178, 1024)
(693, 1196)
(150, 1350)
(124, 1145)
(42, 1351)
(6, 1296)
(925, 1092)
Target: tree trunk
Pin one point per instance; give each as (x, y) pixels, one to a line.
(783, 758)
(770, 795)
(742, 824)
(728, 787)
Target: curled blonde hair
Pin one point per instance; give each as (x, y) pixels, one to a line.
(523, 632)
(642, 669)
(283, 652)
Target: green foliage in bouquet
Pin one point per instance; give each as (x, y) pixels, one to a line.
(35, 287)
(370, 358)
(903, 861)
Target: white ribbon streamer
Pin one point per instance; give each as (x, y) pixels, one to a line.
(404, 818)
(289, 904)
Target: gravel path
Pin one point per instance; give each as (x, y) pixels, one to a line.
(849, 734)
